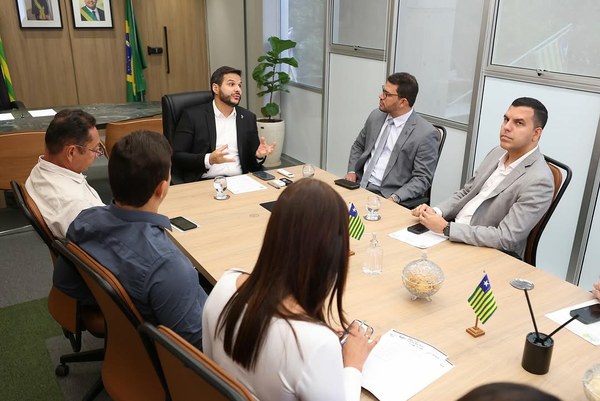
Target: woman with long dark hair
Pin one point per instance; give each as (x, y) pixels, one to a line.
(272, 329)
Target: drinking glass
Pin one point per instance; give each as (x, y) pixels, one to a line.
(373, 205)
(308, 171)
(220, 185)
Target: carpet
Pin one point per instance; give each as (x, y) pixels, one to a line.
(26, 371)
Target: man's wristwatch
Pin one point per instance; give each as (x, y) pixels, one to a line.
(395, 198)
(447, 230)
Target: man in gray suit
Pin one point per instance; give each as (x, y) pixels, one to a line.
(509, 193)
(396, 152)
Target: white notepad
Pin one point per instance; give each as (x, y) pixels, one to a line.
(425, 240)
(42, 113)
(240, 184)
(400, 366)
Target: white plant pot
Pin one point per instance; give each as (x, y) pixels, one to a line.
(274, 132)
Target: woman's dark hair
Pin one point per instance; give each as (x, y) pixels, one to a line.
(507, 392)
(304, 257)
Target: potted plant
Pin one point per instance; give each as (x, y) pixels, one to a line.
(270, 80)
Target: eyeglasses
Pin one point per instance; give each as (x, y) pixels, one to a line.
(99, 151)
(386, 93)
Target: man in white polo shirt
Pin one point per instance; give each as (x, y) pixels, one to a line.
(56, 183)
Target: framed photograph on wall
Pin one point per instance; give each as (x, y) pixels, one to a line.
(36, 14)
(92, 14)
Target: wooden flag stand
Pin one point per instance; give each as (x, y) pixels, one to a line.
(475, 331)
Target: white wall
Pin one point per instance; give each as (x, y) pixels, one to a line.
(568, 137)
(225, 29)
(302, 112)
(354, 87)
(447, 176)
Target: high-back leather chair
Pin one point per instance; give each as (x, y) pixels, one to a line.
(117, 130)
(172, 108)
(67, 311)
(559, 170)
(175, 103)
(426, 198)
(128, 372)
(189, 374)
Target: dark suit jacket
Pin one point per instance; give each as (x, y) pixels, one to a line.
(196, 135)
(410, 170)
(100, 14)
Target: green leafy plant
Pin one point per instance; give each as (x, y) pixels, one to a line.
(268, 75)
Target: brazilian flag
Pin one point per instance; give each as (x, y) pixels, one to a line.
(7, 92)
(134, 51)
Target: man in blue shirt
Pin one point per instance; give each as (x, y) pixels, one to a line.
(128, 237)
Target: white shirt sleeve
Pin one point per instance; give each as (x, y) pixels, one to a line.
(325, 377)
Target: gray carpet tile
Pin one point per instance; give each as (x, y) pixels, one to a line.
(82, 375)
(25, 268)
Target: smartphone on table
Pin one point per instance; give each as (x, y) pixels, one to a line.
(417, 229)
(587, 314)
(346, 183)
(263, 175)
(182, 224)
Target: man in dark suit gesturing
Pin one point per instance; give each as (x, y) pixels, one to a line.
(218, 138)
(396, 152)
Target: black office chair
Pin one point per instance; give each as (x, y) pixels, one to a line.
(172, 107)
(560, 187)
(426, 197)
(174, 104)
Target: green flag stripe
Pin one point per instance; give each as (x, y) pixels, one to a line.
(487, 314)
(356, 228)
(6, 73)
(481, 300)
(476, 293)
(485, 305)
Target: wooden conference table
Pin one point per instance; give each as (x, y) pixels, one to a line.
(230, 234)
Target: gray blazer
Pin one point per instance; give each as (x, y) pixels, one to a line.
(505, 219)
(409, 172)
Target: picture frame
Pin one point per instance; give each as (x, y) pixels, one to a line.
(39, 14)
(84, 18)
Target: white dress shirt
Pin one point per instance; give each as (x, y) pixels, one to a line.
(283, 371)
(381, 164)
(501, 172)
(60, 194)
(226, 135)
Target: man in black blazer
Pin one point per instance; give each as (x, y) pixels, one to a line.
(90, 12)
(218, 138)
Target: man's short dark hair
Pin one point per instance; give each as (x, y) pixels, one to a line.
(407, 86)
(69, 127)
(540, 114)
(217, 76)
(138, 163)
